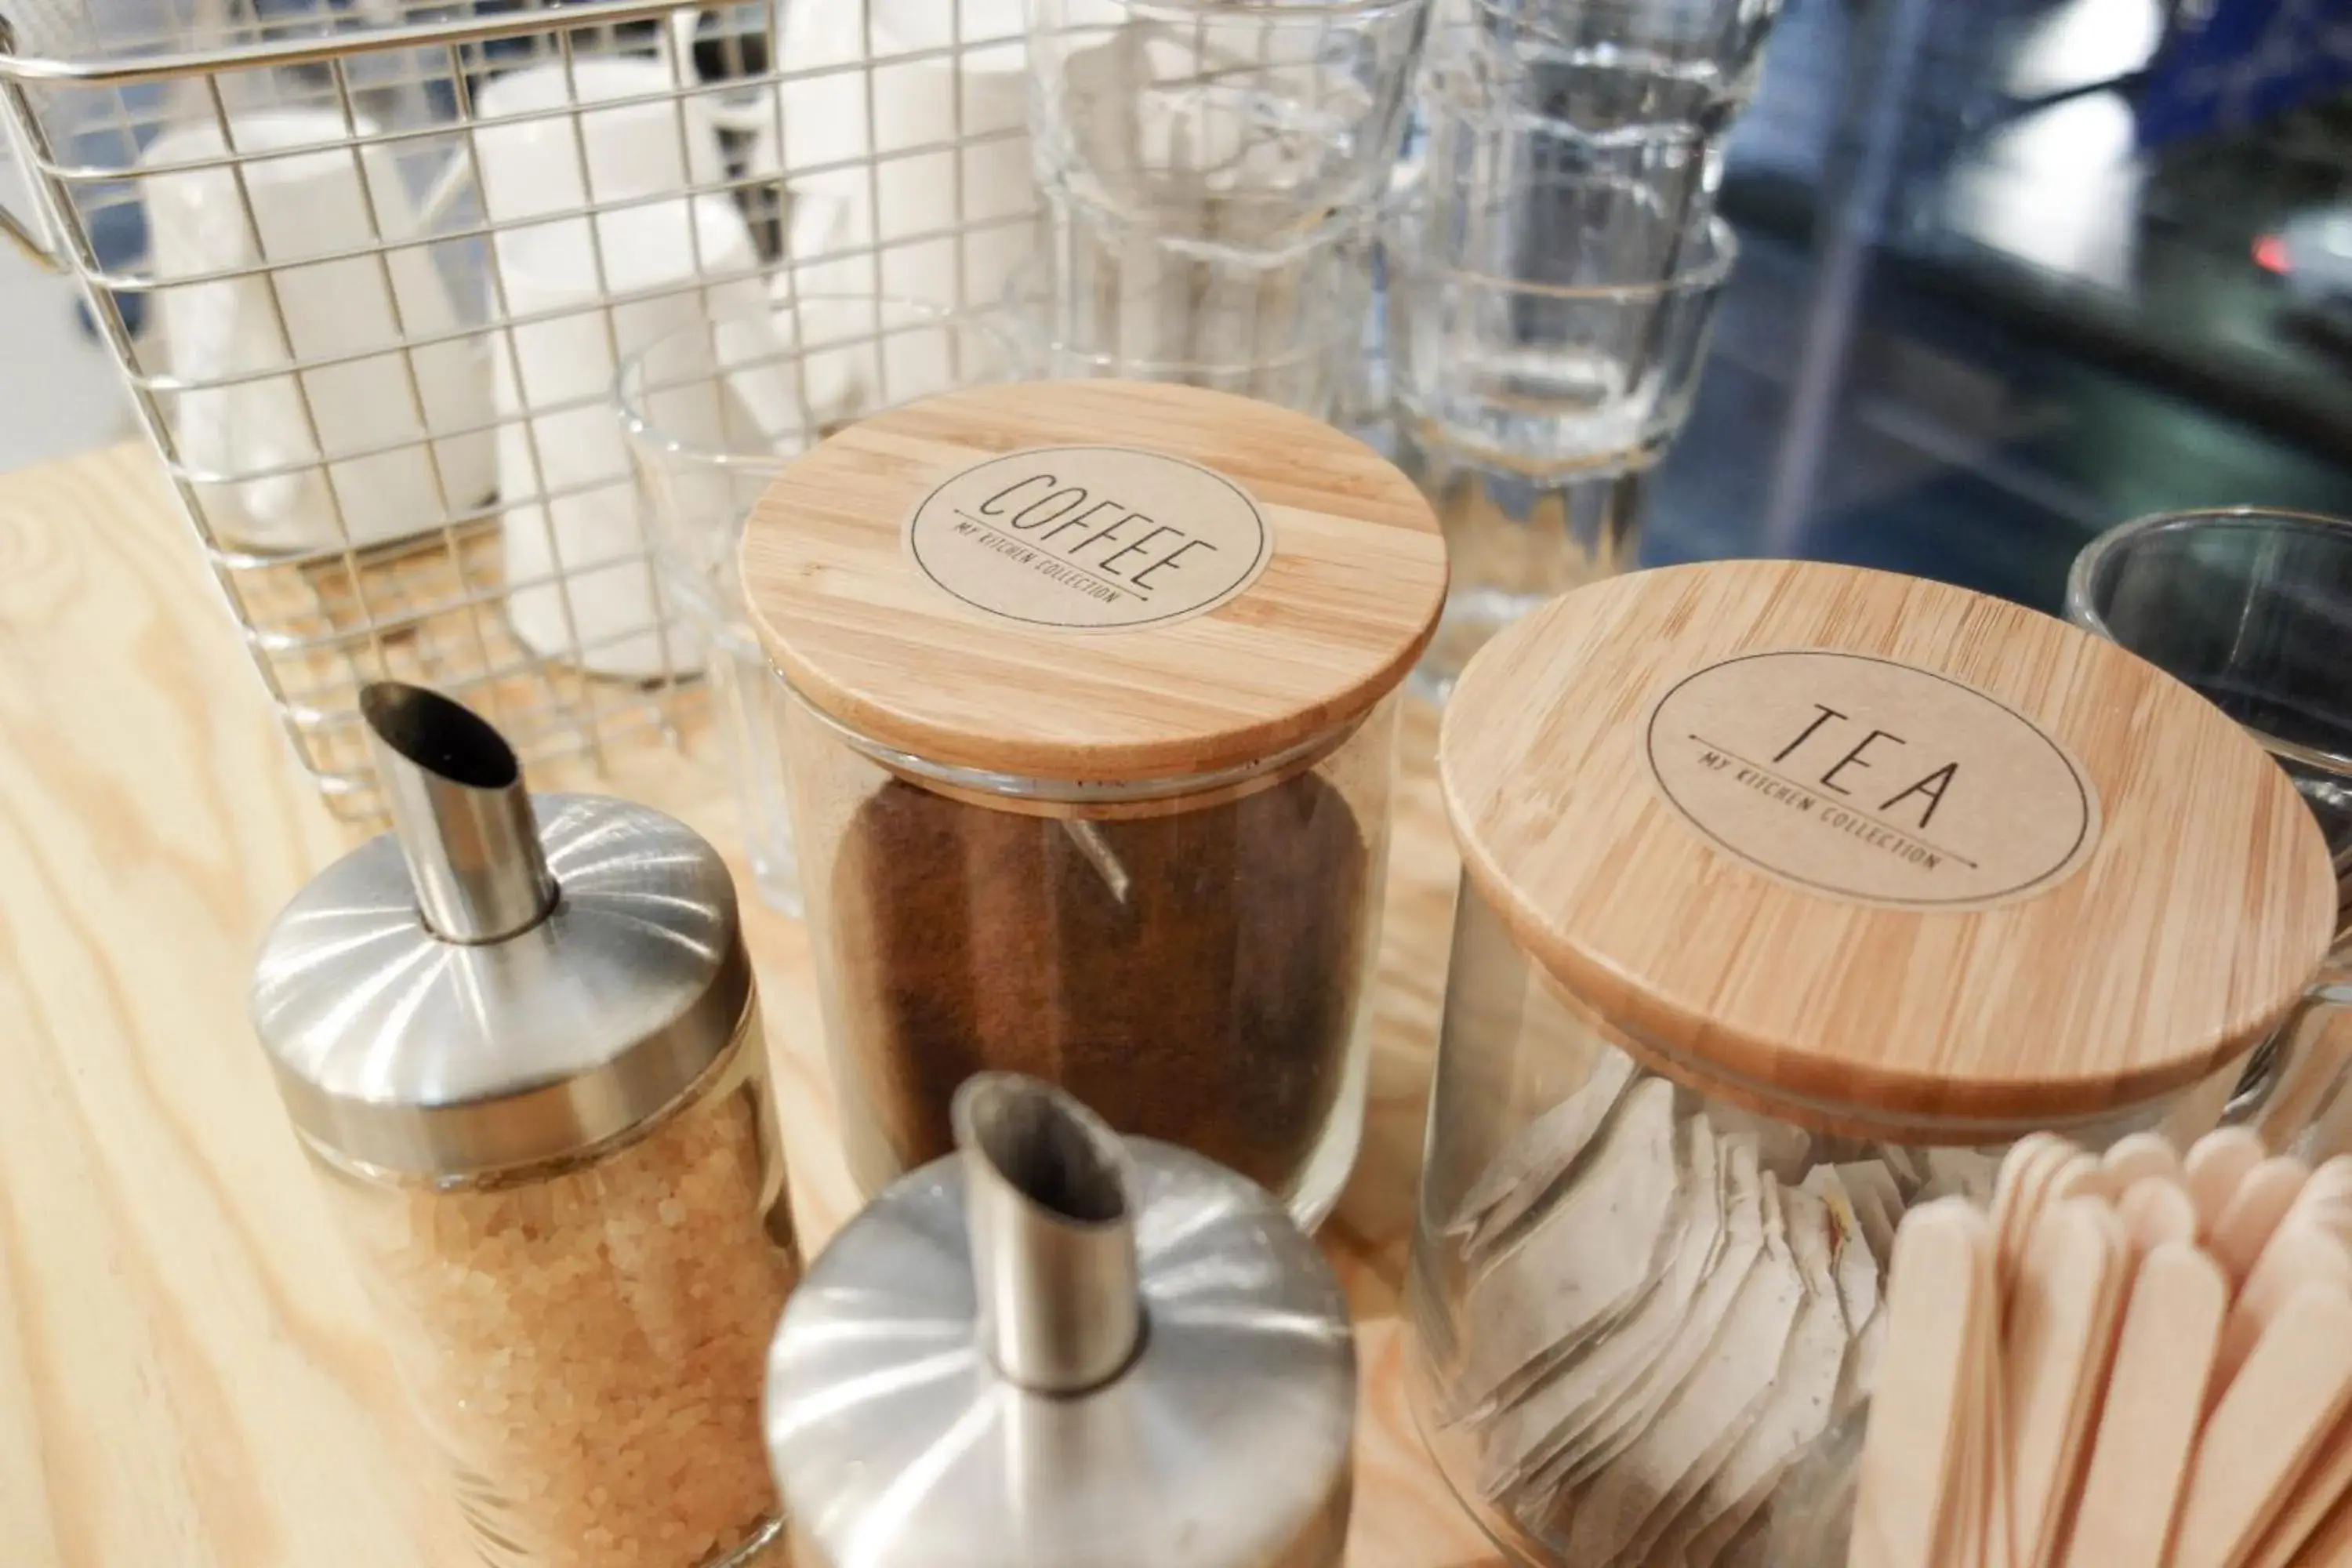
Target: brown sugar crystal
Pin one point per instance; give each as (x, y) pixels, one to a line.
(1192, 977)
(589, 1347)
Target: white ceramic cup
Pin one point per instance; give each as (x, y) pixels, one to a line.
(580, 583)
(254, 443)
(976, 177)
(651, 137)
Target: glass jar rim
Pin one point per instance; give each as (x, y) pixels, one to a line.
(1836, 1117)
(954, 778)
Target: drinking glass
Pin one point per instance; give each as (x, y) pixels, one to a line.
(1585, 356)
(1537, 384)
(715, 411)
(1299, 343)
(1229, 127)
(1211, 167)
(1637, 60)
(2253, 609)
(1502, 124)
(1513, 540)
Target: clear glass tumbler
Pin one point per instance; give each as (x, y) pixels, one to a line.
(1301, 348)
(1211, 168)
(1506, 125)
(1582, 355)
(715, 411)
(2252, 609)
(1242, 128)
(1637, 60)
(1536, 383)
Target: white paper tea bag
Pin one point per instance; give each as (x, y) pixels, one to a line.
(1527, 1434)
(1542, 1153)
(1877, 1202)
(1588, 1258)
(1857, 1267)
(1621, 1418)
(1957, 1172)
(1783, 1151)
(1705, 1415)
(1801, 1404)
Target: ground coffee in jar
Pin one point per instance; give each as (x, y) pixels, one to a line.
(1202, 992)
(1090, 721)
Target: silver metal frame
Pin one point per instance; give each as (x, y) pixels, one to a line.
(426, 608)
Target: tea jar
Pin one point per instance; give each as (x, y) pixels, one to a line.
(520, 1040)
(1089, 730)
(1791, 894)
(1087, 1348)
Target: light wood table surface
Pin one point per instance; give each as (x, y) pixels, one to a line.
(188, 1376)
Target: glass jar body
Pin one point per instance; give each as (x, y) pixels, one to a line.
(585, 1343)
(1191, 961)
(1642, 1310)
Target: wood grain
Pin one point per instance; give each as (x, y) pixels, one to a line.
(1347, 598)
(187, 1377)
(2164, 932)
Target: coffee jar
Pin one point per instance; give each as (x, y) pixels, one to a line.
(520, 1040)
(1791, 895)
(1090, 728)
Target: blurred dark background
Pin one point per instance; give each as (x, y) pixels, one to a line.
(2004, 284)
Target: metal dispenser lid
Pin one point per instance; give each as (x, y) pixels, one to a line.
(1060, 1348)
(499, 981)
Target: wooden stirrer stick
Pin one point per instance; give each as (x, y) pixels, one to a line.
(1940, 1290)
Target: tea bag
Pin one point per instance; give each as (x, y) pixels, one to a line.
(1526, 1433)
(1905, 1167)
(1857, 1266)
(1707, 1413)
(1621, 1416)
(1803, 1399)
(1783, 1152)
(1741, 1533)
(1795, 1407)
(1589, 1257)
(1542, 1152)
(1877, 1202)
(1668, 1246)
(1956, 1173)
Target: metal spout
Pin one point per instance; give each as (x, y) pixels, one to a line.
(1053, 1233)
(460, 812)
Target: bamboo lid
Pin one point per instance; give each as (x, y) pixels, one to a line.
(1880, 848)
(1095, 581)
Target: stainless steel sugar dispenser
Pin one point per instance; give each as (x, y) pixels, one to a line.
(1058, 1348)
(520, 1039)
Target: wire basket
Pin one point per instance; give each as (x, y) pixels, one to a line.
(316, 234)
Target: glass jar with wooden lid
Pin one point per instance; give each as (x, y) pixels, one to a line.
(1791, 895)
(1090, 724)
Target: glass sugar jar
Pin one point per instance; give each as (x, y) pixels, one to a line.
(520, 1042)
(1791, 895)
(1090, 728)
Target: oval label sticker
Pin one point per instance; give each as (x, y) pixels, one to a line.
(1091, 539)
(1871, 781)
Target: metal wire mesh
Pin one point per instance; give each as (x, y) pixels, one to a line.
(298, 224)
